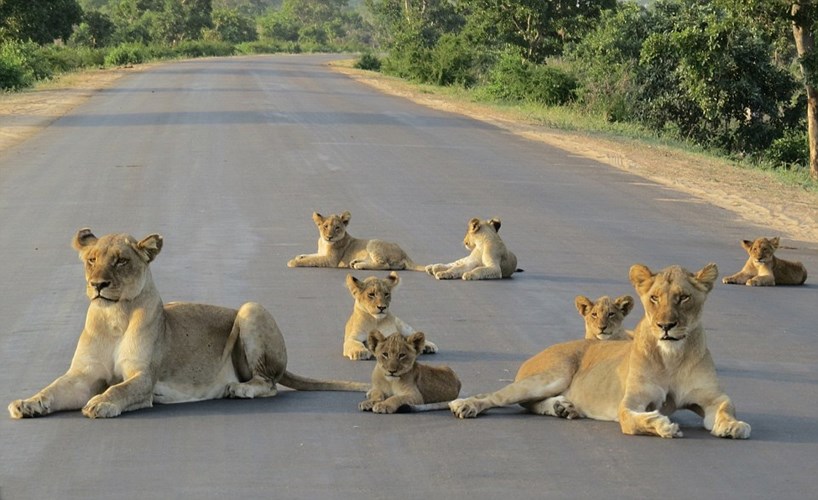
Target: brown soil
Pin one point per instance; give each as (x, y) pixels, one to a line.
(754, 196)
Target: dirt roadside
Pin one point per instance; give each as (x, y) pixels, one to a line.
(754, 196)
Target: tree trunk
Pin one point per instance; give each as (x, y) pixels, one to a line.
(805, 44)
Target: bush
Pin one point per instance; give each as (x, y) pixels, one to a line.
(513, 79)
(368, 62)
(267, 46)
(452, 61)
(201, 48)
(22, 64)
(64, 59)
(127, 54)
(792, 149)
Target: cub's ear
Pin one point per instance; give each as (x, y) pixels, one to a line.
(393, 279)
(583, 304)
(625, 304)
(417, 339)
(345, 217)
(375, 337)
(775, 241)
(474, 224)
(746, 244)
(150, 246)
(317, 218)
(354, 284)
(707, 276)
(83, 238)
(495, 222)
(641, 277)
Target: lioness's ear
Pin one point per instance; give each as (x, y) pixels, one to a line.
(707, 275)
(775, 241)
(583, 304)
(417, 339)
(393, 279)
(353, 284)
(474, 224)
(746, 244)
(496, 223)
(641, 277)
(317, 218)
(83, 238)
(345, 217)
(625, 304)
(150, 246)
(375, 337)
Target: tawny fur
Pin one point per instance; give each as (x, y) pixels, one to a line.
(489, 257)
(763, 268)
(337, 248)
(638, 383)
(135, 351)
(399, 381)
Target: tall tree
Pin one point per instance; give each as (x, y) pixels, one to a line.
(41, 21)
(803, 19)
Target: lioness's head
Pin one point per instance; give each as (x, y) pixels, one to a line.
(673, 300)
(477, 229)
(332, 228)
(116, 265)
(373, 294)
(761, 250)
(603, 318)
(395, 354)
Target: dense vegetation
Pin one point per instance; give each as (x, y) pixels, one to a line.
(732, 76)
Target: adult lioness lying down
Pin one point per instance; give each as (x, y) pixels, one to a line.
(638, 383)
(135, 351)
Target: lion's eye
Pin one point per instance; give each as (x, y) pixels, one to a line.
(385, 355)
(402, 355)
(683, 298)
(371, 295)
(122, 261)
(654, 299)
(387, 295)
(611, 314)
(91, 260)
(593, 315)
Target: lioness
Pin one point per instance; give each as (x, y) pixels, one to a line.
(764, 269)
(603, 318)
(489, 257)
(399, 381)
(135, 351)
(371, 312)
(337, 248)
(637, 383)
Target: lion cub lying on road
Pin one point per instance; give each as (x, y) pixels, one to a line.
(603, 318)
(764, 269)
(135, 351)
(489, 258)
(371, 312)
(337, 248)
(398, 380)
(637, 383)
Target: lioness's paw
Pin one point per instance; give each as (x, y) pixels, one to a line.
(383, 407)
(669, 430)
(429, 348)
(463, 408)
(735, 429)
(97, 408)
(366, 405)
(27, 408)
(470, 276)
(728, 280)
(357, 354)
(444, 275)
(566, 409)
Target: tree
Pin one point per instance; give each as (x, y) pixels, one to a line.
(95, 30)
(41, 21)
(230, 25)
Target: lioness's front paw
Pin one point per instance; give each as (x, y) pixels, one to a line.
(566, 409)
(294, 261)
(366, 405)
(383, 407)
(429, 348)
(463, 408)
(728, 281)
(28, 408)
(99, 408)
(669, 429)
(735, 429)
(357, 354)
(444, 275)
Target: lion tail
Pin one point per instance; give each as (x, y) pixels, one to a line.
(411, 266)
(300, 383)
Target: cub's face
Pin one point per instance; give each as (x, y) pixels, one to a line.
(478, 230)
(761, 250)
(673, 300)
(332, 228)
(603, 318)
(116, 265)
(373, 295)
(395, 354)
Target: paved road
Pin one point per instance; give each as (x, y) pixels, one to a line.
(227, 158)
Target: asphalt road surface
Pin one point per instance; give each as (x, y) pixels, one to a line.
(228, 158)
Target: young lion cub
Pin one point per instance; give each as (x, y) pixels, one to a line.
(398, 380)
(764, 269)
(337, 248)
(370, 312)
(489, 258)
(603, 318)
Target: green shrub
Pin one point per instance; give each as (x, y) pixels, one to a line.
(792, 149)
(64, 59)
(452, 61)
(201, 48)
(368, 62)
(127, 54)
(267, 46)
(513, 79)
(22, 64)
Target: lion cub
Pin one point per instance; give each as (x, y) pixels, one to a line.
(764, 269)
(603, 318)
(398, 380)
(337, 248)
(371, 312)
(489, 258)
